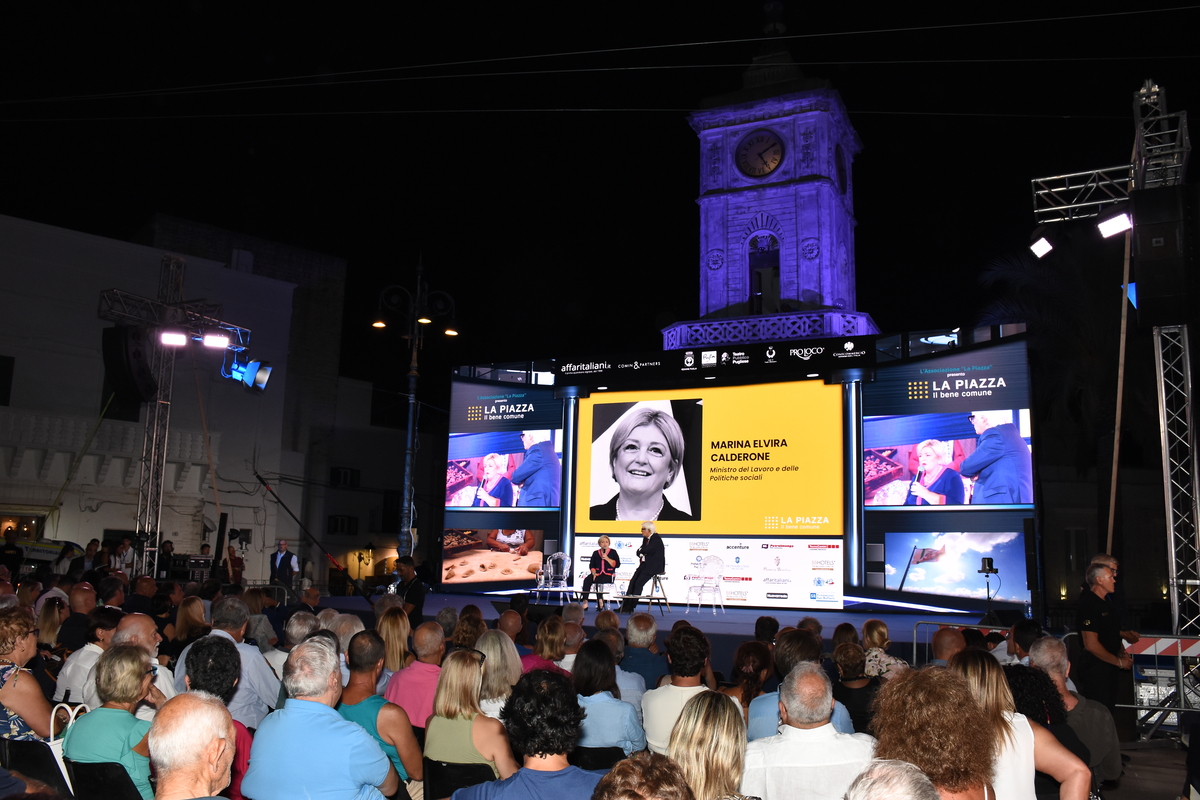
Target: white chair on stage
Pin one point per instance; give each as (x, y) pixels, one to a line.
(712, 571)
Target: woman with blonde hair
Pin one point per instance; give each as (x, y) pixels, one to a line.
(28, 591)
(54, 613)
(501, 671)
(189, 626)
(394, 629)
(458, 731)
(709, 744)
(936, 482)
(1022, 746)
(111, 733)
(551, 646)
(494, 489)
(875, 642)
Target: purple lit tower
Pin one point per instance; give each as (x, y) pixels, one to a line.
(776, 212)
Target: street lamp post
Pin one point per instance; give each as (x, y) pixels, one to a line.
(418, 308)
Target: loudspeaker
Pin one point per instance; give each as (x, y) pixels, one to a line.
(127, 352)
(1166, 232)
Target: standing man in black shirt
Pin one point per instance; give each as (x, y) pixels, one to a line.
(12, 556)
(1105, 656)
(410, 590)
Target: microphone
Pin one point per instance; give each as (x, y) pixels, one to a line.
(916, 478)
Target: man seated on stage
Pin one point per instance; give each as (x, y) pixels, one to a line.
(306, 749)
(687, 653)
(653, 555)
(808, 757)
(792, 647)
(413, 687)
(387, 722)
(543, 719)
(191, 747)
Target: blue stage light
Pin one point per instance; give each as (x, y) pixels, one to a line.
(253, 374)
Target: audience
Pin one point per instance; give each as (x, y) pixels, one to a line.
(191, 747)
(82, 599)
(24, 711)
(573, 639)
(511, 623)
(608, 619)
(641, 634)
(631, 684)
(807, 751)
(214, 666)
(393, 627)
(792, 647)
(1091, 721)
(387, 723)
(1021, 637)
(190, 625)
(447, 618)
(610, 721)
(875, 642)
(306, 749)
(101, 623)
(1034, 696)
(854, 689)
(751, 667)
(458, 732)
(573, 612)
(765, 630)
(138, 630)
(549, 647)
(260, 629)
(709, 745)
(891, 780)
(946, 642)
(687, 654)
(543, 721)
(413, 688)
(645, 776)
(296, 630)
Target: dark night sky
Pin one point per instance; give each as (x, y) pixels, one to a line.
(559, 207)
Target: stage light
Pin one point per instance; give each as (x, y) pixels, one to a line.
(252, 373)
(1116, 223)
(1041, 247)
(173, 338)
(218, 339)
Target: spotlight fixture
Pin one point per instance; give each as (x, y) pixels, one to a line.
(1112, 224)
(173, 338)
(216, 339)
(1041, 247)
(253, 373)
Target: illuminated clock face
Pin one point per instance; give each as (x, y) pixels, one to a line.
(760, 153)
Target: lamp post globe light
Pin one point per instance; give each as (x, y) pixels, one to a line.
(415, 309)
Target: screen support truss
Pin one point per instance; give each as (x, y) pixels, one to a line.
(1172, 358)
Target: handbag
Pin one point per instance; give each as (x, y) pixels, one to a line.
(56, 743)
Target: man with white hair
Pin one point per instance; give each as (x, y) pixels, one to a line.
(640, 634)
(1091, 721)
(807, 752)
(297, 629)
(574, 637)
(306, 749)
(1001, 464)
(888, 779)
(573, 612)
(191, 747)
(540, 473)
(140, 630)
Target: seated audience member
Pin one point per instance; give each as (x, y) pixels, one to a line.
(630, 683)
(1024, 746)
(386, 722)
(610, 721)
(573, 612)
(807, 751)
(466, 633)
(930, 719)
(138, 600)
(310, 601)
(709, 745)
(138, 630)
(687, 654)
(214, 666)
(111, 733)
(306, 749)
(892, 780)
(101, 624)
(641, 634)
(24, 712)
(751, 666)
(875, 642)
(1023, 634)
(765, 630)
(190, 625)
(260, 629)
(645, 776)
(792, 647)
(549, 647)
(608, 619)
(946, 642)
(995, 643)
(258, 688)
(111, 592)
(191, 746)
(501, 671)
(1091, 721)
(511, 624)
(296, 630)
(394, 629)
(1034, 696)
(573, 639)
(975, 638)
(413, 688)
(543, 721)
(82, 599)
(344, 627)
(447, 618)
(854, 690)
(811, 624)
(458, 732)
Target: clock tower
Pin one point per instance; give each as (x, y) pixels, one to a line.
(776, 212)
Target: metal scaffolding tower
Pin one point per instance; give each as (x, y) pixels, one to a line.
(169, 310)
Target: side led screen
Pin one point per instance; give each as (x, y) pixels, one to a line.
(505, 448)
(478, 556)
(949, 564)
(950, 431)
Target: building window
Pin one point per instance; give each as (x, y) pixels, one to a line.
(763, 258)
(6, 377)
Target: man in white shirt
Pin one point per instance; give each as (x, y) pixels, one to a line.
(808, 759)
(140, 630)
(257, 689)
(687, 653)
(573, 639)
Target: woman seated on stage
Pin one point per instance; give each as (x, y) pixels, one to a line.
(601, 570)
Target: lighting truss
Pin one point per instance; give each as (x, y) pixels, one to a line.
(194, 317)
(1171, 356)
(1079, 195)
(1163, 145)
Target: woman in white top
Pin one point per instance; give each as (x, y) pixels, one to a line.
(1024, 745)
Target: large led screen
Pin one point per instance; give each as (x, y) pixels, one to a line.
(950, 431)
(734, 460)
(505, 448)
(490, 555)
(949, 564)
